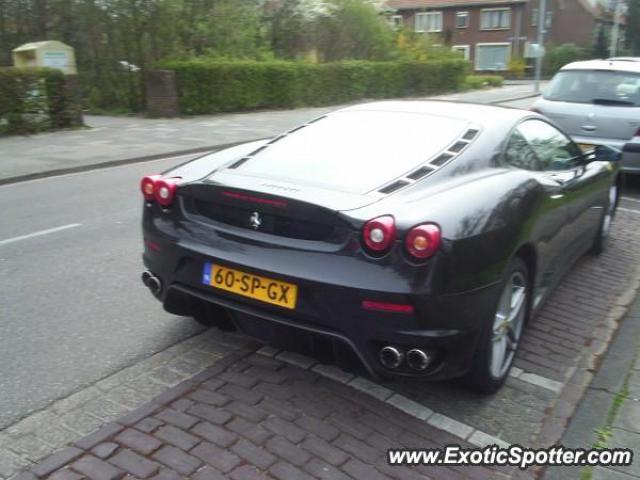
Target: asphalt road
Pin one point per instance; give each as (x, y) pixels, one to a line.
(72, 307)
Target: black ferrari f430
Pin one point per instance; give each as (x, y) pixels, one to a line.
(414, 237)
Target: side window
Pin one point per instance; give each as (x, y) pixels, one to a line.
(554, 149)
(520, 154)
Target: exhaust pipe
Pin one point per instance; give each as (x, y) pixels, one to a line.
(146, 275)
(418, 359)
(152, 282)
(391, 357)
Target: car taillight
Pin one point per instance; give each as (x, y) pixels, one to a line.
(378, 234)
(166, 190)
(148, 186)
(423, 241)
(162, 190)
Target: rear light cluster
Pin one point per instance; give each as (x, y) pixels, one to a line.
(162, 190)
(421, 242)
(380, 233)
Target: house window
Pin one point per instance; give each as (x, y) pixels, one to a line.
(462, 19)
(396, 21)
(495, 19)
(464, 49)
(428, 22)
(492, 56)
(534, 17)
(548, 19)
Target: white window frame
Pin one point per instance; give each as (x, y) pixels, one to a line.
(466, 49)
(396, 21)
(427, 15)
(489, 10)
(466, 17)
(492, 44)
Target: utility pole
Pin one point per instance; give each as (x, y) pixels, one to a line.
(541, 29)
(615, 30)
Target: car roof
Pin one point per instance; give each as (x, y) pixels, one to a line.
(484, 115)
(625, 59)
(612, 65)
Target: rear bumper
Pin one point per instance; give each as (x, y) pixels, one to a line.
(330, 317)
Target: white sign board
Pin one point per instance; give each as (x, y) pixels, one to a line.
(55, 59)
(533, 50)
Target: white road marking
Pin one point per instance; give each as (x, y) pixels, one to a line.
(39, 234)
(630, 210)
(631, 199)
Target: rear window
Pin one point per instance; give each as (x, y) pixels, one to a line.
(355, 151)
(596, 86)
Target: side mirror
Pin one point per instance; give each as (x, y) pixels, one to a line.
(606, 153)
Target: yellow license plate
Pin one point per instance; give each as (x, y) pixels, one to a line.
(260, 288)
(586, 147)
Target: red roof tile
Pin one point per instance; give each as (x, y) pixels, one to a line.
(410, 4)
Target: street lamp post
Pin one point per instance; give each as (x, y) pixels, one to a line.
(615, 30)
(541, 28)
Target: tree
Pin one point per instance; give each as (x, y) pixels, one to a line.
(355, 30)
(632, 34)
(601, 45)
(294, 24)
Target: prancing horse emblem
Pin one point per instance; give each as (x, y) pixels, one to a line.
(255, 221)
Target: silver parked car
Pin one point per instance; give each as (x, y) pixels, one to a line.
(597, 102)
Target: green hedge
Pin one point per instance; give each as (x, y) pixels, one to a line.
(35, 99)
(557, 56)
(208, 86)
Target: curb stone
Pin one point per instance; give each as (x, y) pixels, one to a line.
(351, 437)
(378, 392)
(116, 163)
(556, 421)
(81, 415)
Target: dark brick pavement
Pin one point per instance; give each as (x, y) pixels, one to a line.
(229, 425)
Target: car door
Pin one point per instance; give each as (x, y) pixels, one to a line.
(563, 162)
(550, 219)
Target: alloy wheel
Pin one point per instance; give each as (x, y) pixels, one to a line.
(508, 324)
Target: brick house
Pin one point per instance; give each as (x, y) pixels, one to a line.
(491, 32)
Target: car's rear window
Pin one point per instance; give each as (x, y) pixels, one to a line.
(601, 87)
(356, 151)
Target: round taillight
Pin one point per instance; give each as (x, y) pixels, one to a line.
(165, 190)
(423, 241)
(378, 234)
(148, 186)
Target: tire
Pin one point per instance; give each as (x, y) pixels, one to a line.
(600, 241)
(501, 337)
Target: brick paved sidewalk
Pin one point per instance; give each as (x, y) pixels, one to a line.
(250, 417)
